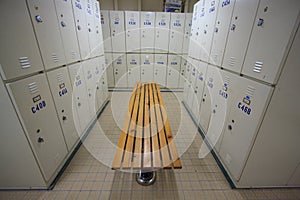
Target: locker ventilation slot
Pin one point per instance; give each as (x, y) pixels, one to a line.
(55, 58)
(24, 61)
(250, 91)
(60, 77)
(231, 61)
(258, 66)
(227, 80)
(33, 88)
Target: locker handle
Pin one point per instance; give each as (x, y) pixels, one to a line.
(260, 22)
(233, 27)
(216, 30)
(229, 127)
(41, 140)
(63, 24)
(38, 18)
(64, 118)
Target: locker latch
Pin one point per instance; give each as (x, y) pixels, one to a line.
(260, 22)
(38, 18)
(232, 27)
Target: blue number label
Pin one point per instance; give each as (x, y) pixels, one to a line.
(244, 108)
(223, 94)
(38, 107)
(63, 92)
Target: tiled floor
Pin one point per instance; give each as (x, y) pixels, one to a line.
(88, 178)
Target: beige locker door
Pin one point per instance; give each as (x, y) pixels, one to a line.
(134, 69)
(109, 70)
(61, 89)
(132, 26)
(35, 107)
(19, 54)
(46, 28)
(98, 29)
(162, 32)
(105, 23)
(176, 32)
(90, 80)
(120, 70)
(160, 69)
(147, 31)
(187, 33)
(147, 67)
(117, 26)
(205, 109)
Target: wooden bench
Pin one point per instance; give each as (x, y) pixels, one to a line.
(146, 142)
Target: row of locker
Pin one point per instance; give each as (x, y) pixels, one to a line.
(251, 126)
(55, 109)
(239, 35)
(151, 32)
(124, 70)
(47, 34)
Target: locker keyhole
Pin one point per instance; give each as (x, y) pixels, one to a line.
(38, 131)
(229, 127)
(266, 9)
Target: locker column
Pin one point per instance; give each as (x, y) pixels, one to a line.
(132, 25)
(162, 29)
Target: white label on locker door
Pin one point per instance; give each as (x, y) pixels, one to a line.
(36, 110)
(20, 55)
(46, 27)
(239, 34)
(265, 54)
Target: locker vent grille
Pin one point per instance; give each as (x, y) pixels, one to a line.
(33, 88)
(258, 66)
(227, 80)
(60, 77)
(231, 61)
(55, 58)
(250, 91)
(24, 61)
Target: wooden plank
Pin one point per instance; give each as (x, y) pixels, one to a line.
(126, 164)
(155, 144)
(147, 154)
(173, 151)
(160, 129)
(137, 153)
(121, 144)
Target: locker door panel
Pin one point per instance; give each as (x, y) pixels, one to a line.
(239, 34)
(36, 110)
(61, 90)
(160, 71)
(192, 43)
(89, 14)
(67, 29)
(106, 30)
(147, 67)
(97, 72)
(132, 26)
(134, 69)
(176, 32)
(79, 7)
(211, 10)
(120, 70)
(187, 32)
(109, 70)
(182, 73)
(205, 110)
(18, 56)
(173, 69)
(147, 31)
(117, 31)
(200, 25)
(103, 80)
(98, 29)
(246, 112)
(221, 31)
(162, 29)
(265, 57)
(90, 79)
(80, 99)
(46, 27)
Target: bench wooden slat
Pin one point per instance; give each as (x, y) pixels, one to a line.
(137, 154)
(121, 144)
(174, 155)
(147, 157)
(155, 144)
(132, 128)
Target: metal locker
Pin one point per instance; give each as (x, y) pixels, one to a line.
(205, 110)
(147, 31)
(162, 29)
(187, 32)
(67, 29)
(147, 67)
(80, 99)
(192, 43)
(173, 69)
(210, 10)
(176, 32)
(99, 72)
(160, 69)
(18, 56)
(221, 31)
(61, 89)
(79, 7)
(273, 31)
(117, 31)
(109, 70)
(222, 93)
(98, 29)
(120, 70)
(182, 72)
(103, 80)
(243, 16)
(106, 30)
(246, 112)
(134, 69)
(199, 87)
(192, 79)
(36, 110)
(89, 15)
(46, 28)
(132, 26)
(200, 25)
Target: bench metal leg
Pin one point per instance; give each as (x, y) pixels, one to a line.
(145, 178)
